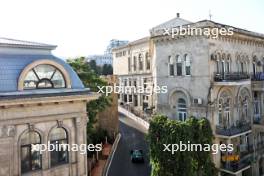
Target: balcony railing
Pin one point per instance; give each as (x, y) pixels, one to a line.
(231, 76)
(233, 130)
(259, 76)
(235, 166)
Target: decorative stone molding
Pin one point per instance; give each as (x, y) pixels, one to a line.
(7, 131)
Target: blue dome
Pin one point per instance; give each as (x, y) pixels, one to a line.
(11, 66)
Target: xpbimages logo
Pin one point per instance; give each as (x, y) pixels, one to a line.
(82, 148)
(132, 89)
(182, 147)
(188, 30)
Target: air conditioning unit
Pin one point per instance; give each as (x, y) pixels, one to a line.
(198, 101)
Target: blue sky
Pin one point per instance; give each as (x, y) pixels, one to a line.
(84, 27)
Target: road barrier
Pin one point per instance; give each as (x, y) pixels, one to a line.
(133, 117)
(111, 155)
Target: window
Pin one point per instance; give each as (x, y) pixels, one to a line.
(182, 109)
(135, 100)
(135, 63)
(187, 61)
(130, 98)
(220, 112)
(228, 64)
(224, 110)
(171, 66)
(59, 137)
(44, 77)
(30, 159)
(179, 65)
(129, 64)
(147, 61)
(217, 66)
(140, 62)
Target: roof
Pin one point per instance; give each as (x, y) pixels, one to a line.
(135, 42)
(11, 66)
(175, 22)
(7, 42)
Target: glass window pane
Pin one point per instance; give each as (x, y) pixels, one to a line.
(30, 138)
(30, 80)
(25, 159)
(44, 83)
(35, 160)
(44, 71)
(57, 134)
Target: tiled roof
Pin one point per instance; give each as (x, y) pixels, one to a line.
(21, 43)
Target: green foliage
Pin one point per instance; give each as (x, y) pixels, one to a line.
(90, 80)
(187, 163)
(107, 69)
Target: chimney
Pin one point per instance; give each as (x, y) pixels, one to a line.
(178, 15)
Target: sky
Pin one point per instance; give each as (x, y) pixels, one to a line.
(84, 27)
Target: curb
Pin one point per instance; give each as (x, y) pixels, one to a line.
(111, 155)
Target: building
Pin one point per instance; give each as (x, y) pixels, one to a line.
(42, 101)
(107, 58)
(132, 64)
(220, 78)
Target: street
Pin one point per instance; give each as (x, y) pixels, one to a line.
(133, 137)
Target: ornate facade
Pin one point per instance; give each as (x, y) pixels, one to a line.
(42, 101)
(217, 78)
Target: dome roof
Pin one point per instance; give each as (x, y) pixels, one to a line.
(11, 66)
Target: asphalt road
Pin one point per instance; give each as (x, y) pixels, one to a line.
(133, 137)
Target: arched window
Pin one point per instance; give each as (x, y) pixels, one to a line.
(44, 76)
(171, 66)
(220, 111)
(140, 61)
(224, 110)
(182, 109)
(254, 64)
(30, 158)
(179, 65)
(58, 136)
(187, 63)
(147, 61)
(228, 64)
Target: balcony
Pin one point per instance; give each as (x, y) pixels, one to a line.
(241, 127)
(257, 81)
(231, 78)
(235, 167)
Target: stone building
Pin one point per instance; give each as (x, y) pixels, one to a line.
(132, 64)
(42, 101)
(220, 78)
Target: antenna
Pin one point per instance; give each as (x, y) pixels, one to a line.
(210, 15)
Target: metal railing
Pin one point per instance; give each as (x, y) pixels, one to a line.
(233, 130)
(259, 76)
(230, 76)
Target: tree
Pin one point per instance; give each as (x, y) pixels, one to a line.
(107, 69)
(90, 80)
(189, 163)
(94, 67)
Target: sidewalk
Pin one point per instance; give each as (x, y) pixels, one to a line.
(97, 170)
